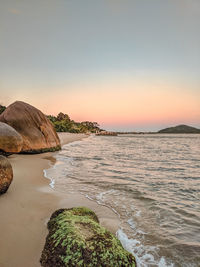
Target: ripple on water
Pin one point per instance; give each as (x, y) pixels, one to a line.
(151, 181)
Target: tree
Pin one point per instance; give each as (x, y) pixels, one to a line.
(52, 118)
(61, 116)
(62, 123)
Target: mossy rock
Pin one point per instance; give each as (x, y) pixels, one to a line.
(76, 239)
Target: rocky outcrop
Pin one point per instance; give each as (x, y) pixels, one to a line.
(76, 239)
(6, 174)
(105, 133)
(36, 130)
(10, 140)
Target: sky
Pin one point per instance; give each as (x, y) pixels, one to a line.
(130, 65)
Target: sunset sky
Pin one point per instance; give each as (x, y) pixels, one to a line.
(127, 64)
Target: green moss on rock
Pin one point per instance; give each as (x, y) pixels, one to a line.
(76, 239)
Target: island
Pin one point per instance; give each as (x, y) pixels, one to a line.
(180, 129)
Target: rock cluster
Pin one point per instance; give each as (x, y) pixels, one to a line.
(36, 130)
(76, 239)
(6, 174)
(105, 133)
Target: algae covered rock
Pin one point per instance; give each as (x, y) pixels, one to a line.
(10, 140)
(76, 239)
(6, 174)
(36, 130)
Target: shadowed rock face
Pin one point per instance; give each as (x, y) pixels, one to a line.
(10, 140)
(76, 239)
(6, 174)
(36, 130)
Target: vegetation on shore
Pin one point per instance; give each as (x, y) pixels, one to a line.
(63, 123)
(76, 239)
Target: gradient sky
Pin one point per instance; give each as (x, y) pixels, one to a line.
(127, 64)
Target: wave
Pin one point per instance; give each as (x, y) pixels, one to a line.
(151, 182)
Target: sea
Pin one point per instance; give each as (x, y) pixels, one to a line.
(151, 181)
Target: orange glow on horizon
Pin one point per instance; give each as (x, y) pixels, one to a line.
(122, 103)
(130, 105)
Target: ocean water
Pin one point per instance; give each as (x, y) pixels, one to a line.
(151, 181)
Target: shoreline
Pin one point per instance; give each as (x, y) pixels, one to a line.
(28, 204)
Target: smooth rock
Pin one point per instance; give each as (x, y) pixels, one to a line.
(36, 130)
(10, 140)
(6, 174)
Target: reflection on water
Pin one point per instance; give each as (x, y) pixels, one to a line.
(151, 181)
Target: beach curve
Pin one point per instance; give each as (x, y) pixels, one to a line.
(28, 204)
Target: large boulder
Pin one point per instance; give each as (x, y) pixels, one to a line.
(10, 140)
(6, 174)
(36, 130)
(76, 239)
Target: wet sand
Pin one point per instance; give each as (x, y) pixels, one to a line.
(28, 204)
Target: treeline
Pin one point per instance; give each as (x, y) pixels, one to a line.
(63, 123)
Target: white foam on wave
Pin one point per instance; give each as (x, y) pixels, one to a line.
(131, 223)
(133, 226)
(143, 255)
(60, 160)
(100, 200)
(52, 172)
(100, 196)
(52, 183)
(138, 213)
(88, 197)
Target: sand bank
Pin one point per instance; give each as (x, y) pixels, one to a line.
(28, 204)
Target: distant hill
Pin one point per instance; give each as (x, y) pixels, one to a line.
(180, 129)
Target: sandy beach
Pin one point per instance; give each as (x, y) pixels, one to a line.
(28, 204)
